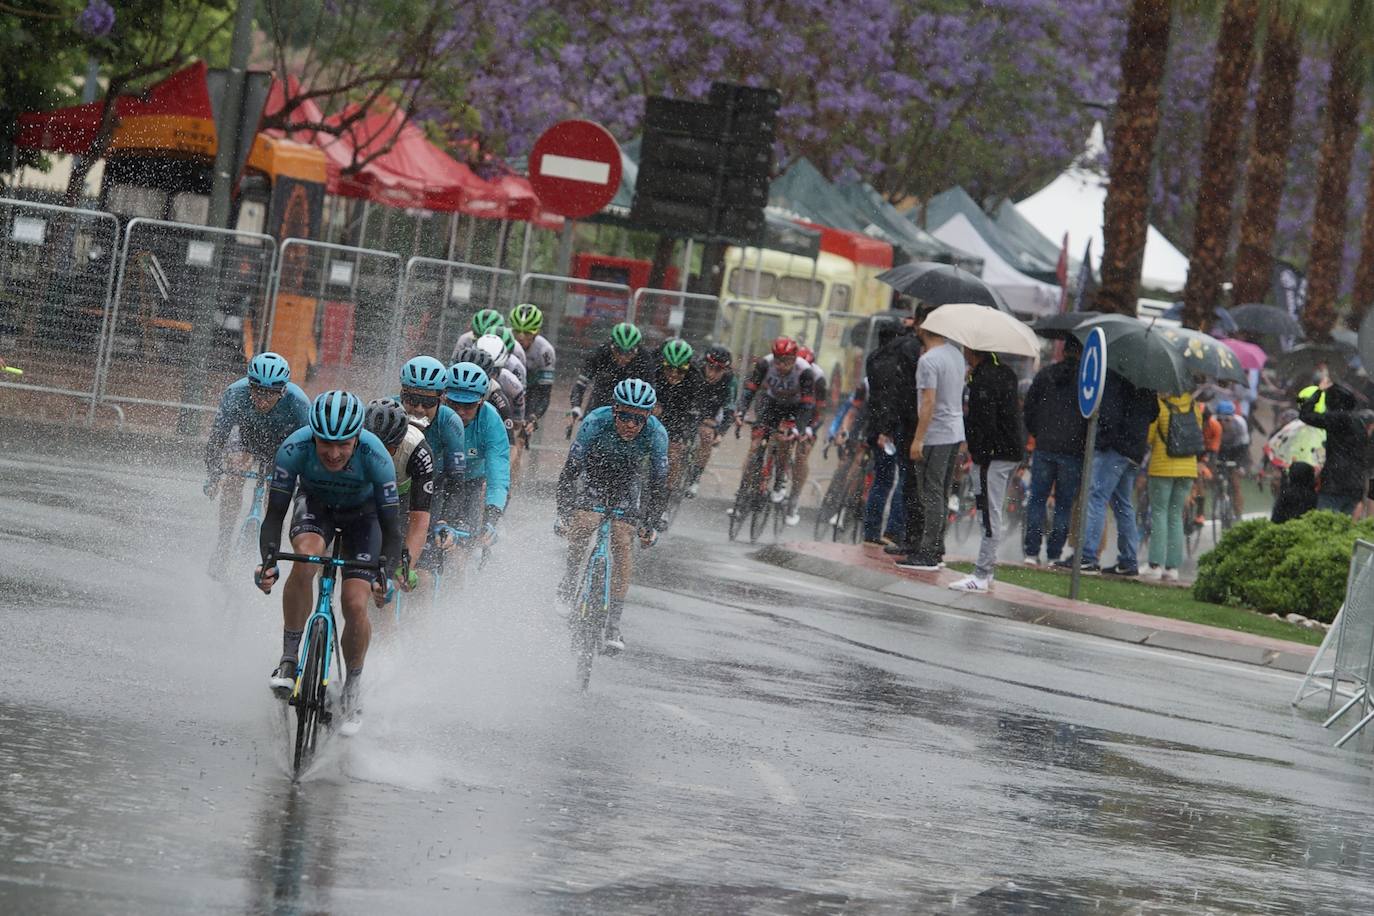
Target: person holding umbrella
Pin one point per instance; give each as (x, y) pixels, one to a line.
(1052, 417)
(1343, 475)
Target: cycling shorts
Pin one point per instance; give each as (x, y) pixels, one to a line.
(1240, 454)
(359, 527)
(467, 511)
(770, 415)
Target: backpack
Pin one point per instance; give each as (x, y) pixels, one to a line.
(1184, 438)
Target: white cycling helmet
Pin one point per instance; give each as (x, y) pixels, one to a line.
(494, 347)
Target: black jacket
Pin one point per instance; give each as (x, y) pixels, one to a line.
(601, 374)
(1051, 411)
(993, 425)
(1124, 418)
(1298, 495)
(1346, 443)
(891, 403)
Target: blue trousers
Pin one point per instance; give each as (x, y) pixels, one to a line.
(1062, 474)
(888, 475)
(1113, 484)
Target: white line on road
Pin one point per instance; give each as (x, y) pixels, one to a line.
(775, 782)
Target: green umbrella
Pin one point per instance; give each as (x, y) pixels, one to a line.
(1139, 353)
(1205, 355)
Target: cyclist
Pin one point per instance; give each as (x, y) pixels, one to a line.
(784, 386)
(1235, 446)
(608, 365)
(423, 380)
(348, 485)
(677, 384)
(801, 459)
(485, 321)
(488, 458)
(604, 468)
(508, 392)
(413, 464)
(716, 405)
(515, 354)
(265, 407)
(525, 323)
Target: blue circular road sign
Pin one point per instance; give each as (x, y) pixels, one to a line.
(1092, 372)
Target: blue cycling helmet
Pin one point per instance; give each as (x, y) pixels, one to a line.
(336, 415)
(425, 373)
(1226, 409)
(635, 392)
(469, 383)
(269, 370)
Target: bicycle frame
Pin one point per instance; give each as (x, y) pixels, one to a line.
(601, 553)
(324, 604)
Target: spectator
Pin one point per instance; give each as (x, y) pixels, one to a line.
(1052, 417)
(1343, 476)
(1123, 426)
(934, 450)
(888, 371)
(996, 443)
(1297, 494)
(1171, 478)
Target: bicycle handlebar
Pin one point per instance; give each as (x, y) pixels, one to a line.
(372, 565)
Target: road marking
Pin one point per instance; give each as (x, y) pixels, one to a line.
(776, 783)
(588, 170)
(684, 715)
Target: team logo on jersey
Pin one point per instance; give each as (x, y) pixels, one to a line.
(389, 491)
(428, 487)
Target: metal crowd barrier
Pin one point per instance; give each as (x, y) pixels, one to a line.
(578, 314)
(439, 298)
(665, 313)
(57, 272)
(748, 328)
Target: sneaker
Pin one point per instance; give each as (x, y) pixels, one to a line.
(895, 550)
(779, 494)
(614, 644)
(919, 564)
(283, 677)
(352, 711)
(1169, 575)
(1121, 571)
(872, 543)
(971, 584)
(1031, 561)
(730, 511)
(793, 518)
(692, 491)
(1088, 569)
(1153, 573)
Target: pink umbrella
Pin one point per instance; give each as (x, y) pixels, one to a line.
(1251, 356)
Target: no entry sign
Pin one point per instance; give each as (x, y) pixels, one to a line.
(575, 168)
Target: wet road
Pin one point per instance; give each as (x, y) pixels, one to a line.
(766, 745)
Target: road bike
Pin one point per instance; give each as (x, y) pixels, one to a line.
(247, 539)
(763, 489)
(319, 648)
(842, 508)
(685, 478)
(1223, 500)
(587, 622)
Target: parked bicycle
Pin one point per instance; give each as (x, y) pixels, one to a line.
(319, 648)
(763, 489)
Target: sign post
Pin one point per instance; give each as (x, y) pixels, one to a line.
(1092, 378)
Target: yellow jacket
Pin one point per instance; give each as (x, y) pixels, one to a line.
(1161, 463)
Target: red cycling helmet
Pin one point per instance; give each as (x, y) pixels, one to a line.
(807, 354)
(784, 346)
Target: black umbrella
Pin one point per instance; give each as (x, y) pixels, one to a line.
(863, 333)
(1140, 353)
(1257, 318)
(1299, 365)
(1204, 355)
(942, 284)
(1061, 326)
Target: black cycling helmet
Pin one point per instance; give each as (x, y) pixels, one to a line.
(718, 355)
(387, 420)
(478, 357)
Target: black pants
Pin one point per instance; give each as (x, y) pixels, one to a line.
(926, 495)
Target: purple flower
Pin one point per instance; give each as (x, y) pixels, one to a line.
(97, 19)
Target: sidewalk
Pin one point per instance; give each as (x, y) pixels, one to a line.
(869, 568)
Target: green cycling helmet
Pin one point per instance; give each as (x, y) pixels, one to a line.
(625, 336)
(507, 338)
(486, 321)
(526, 319)
(677, 353)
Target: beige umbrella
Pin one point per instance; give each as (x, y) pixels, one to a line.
(981, 328)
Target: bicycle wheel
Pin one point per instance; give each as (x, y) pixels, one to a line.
(309, 702)
(759, 519)
(830, 506)
(587, 624)
(744, 504)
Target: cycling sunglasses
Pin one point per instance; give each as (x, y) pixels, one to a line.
(627, 416)
(255, 388)
(420, 400)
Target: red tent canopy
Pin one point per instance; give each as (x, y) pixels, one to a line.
(174, 114)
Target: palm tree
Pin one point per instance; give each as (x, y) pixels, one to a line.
(1126, 212)
(1267, 163)
(1339, 128)
(1217, 188)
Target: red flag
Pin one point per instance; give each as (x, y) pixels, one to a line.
(1061, 273)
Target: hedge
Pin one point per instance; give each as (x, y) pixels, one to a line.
(1298, 567)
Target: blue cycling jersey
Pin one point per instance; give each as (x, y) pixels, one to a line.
(608, 460)
(489, 454)
(368, 475)
(260, 433)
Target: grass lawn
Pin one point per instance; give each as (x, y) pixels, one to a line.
(1159, 600)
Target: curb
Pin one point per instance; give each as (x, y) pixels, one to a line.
(1123, 626)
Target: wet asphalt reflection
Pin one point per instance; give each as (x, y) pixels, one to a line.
(769, 743)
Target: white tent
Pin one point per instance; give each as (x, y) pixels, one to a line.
(1072, 203)
(1025, 295)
